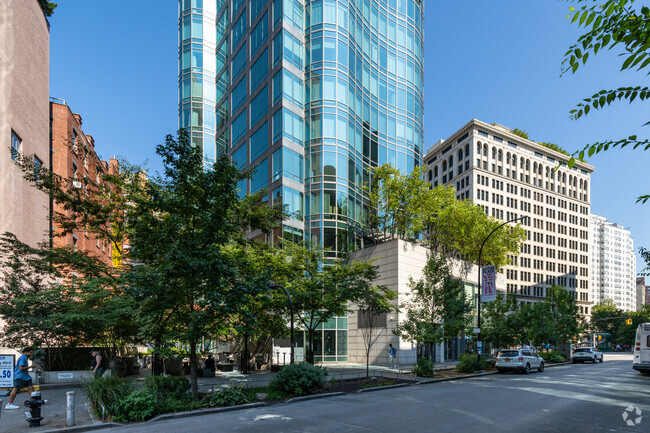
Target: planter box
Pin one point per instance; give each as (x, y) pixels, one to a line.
(77, 376)
(225, 367)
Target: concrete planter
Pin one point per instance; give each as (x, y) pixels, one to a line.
(54, 377)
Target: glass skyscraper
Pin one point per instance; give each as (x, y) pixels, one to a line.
(310, 94)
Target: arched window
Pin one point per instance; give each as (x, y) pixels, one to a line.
(575, 182)
(528, 165)
(514, 160)
(478, 148)
(435, 171)
(444, 165)
(585, 187)
(580, 183)
(460, 154)
(508, 158)
(548, 174)
(563, 177)
(430, 175)
(494, 153)
(467, 151)
(500, 155)
(534, 167)
(485, 150)
(451, 161)
(570, 181)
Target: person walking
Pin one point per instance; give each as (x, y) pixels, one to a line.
(392, 352)
(98, 363)
(21, 377)
(209, 364)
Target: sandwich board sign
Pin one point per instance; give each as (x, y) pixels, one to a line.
(7, 371)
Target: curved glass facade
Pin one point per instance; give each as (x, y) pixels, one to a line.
(363, 106)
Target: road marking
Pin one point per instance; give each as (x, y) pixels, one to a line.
(270, 416)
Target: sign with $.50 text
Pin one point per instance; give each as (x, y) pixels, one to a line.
(7, 371)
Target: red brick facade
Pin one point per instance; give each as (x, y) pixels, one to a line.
(74, 157)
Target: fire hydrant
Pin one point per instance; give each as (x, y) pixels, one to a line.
(34, 404)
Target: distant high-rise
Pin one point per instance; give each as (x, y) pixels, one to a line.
(310, 95)
(613, 264)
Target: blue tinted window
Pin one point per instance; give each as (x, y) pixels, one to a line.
(239, 61)
(287, 46)
(260, 178)
(289, 86)
(239, 94)
(291, 164)
(259, 70)
(259, 34)
(239, 126)
(239, 29)
(260, 141)
(260, 105)
(236, 4)
(239, 157)
(292, 202)
(256, 7)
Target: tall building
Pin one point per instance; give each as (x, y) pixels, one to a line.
(613, 264)
(310, 95)
(509, 177)
(24, 116)
(74, 157)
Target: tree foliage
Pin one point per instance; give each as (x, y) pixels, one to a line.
(406, 207)
(188, 278)
(621, 26)
(438, 308)
(48, 7)
(520, 133)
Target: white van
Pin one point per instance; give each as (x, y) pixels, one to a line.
(642, 349)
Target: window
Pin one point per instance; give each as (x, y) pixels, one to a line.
(239, 94)
(287, 46)
(239, 29)
(38, 164)
(260, 178)
(259, 34)
(16, 146)
(259, 70)
(292, 202)
(259, 141)
(239, 61)
(289, 86)
(288, 125)
(260, 105)
(239, 126)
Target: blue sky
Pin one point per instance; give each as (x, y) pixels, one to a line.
(115, 63)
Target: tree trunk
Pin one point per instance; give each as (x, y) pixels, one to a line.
(368, 362)
(193, 382)
(310, 350)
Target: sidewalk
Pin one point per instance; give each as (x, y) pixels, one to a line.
(54, 412)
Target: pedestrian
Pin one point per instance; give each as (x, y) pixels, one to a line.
(618, 348)
(21, 377)
(98, 363)
(392, 352)
(209, 365)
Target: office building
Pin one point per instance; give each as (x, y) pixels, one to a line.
(613, 264)
(510, 177)
(24, 93)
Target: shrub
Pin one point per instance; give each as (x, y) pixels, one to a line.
(552, 356)
(164, 385)
(468, 363)
(140, 405)
(299, 379)
(227, 397)
(424, 368)
(106, 391)
(174, 403)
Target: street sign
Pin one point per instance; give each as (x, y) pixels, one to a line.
(477, 330)
(7, 371)
(488, 283)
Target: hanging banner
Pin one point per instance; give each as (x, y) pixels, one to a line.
(488, 284)
(7, 371)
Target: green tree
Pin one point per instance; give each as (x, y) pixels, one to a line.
(607, 318)
(626, 334)
(621, 26)
(498, 327)
(320, 288)
(438, 308)
(405, 206)
(560, 312)
(181, 233)
(48, 7)
(520, 132)
(372, 302)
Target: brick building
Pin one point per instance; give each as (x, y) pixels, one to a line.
(74, 156)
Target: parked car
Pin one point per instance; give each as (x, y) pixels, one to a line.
(583, 354)
(523, 360)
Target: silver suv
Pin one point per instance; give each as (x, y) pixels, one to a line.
(519, 360)
(583, 354)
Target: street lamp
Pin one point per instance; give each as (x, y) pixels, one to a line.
(275, 286)
(480, 253)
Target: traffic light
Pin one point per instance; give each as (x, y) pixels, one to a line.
(628, 321)
(600, 337)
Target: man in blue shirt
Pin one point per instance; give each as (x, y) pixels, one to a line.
(21, 377)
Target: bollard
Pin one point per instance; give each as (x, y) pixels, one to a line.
(70, 403)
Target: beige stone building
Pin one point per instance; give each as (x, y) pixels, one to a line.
(509, 177)
(24, 116)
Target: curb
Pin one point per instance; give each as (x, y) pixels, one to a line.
(314, 397)
(449, 379)
(84, 428)
(200, 412)
(379, 388)
(557, 364)
(48, 386)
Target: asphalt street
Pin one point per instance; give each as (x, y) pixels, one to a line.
(582, 397)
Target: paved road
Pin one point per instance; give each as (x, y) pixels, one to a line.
(582, 397)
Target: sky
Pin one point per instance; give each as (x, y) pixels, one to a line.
(116, 64)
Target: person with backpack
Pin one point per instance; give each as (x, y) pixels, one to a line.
(392, 353)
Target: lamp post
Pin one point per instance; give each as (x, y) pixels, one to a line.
(480, 271)
(275, 286)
